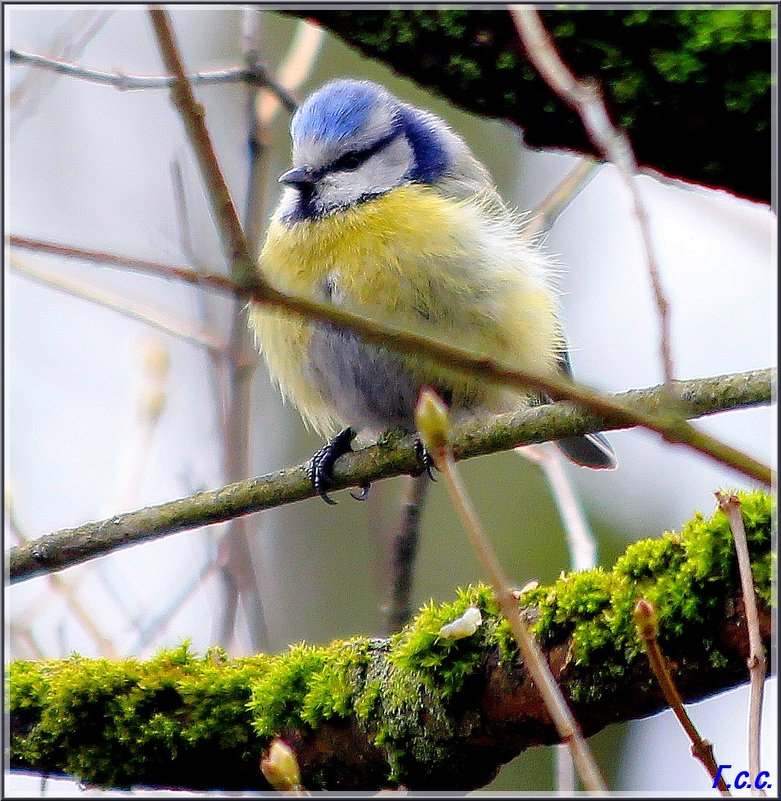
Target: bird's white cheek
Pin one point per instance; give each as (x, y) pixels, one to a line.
(377, 175)
(288, 203)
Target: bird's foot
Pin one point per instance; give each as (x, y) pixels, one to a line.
(321, 466)
(425, 458)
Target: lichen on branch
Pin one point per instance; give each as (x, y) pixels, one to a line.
(419, 709)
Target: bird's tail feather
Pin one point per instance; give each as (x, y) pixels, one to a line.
(590, 450)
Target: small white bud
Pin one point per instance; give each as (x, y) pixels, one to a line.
(464, 626)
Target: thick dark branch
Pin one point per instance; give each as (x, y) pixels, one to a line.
(418, 710)
(681, 82)
(68, 547)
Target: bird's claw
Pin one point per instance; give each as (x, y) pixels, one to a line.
(321, 466)
(425, 458)
(363, 494)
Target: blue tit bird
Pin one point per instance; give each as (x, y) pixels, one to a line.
(387, 213)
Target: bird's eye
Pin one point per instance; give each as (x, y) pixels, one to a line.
(351, 161)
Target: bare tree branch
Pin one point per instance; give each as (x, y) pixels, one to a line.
(255, 75)
(585, 98)
(702, 749)
(235, 562)
(143, 312)
(388, 458)
(757, 664)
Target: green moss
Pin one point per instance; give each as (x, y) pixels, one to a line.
(564, 30)
(118, 723)
(308, 685)
(723, 27)
(444, 664)
(199, 722)
(453, 22)
(705, 33)
(626, 87)
(636, 18)
(506, 60)
(677, 66)
(682, 574)
(466, 68)
(411, 722)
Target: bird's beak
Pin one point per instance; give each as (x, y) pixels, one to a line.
(298, 176)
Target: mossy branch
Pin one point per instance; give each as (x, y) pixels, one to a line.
(419, 709)
(669, 77)
(391, 457)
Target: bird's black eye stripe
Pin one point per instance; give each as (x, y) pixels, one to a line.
(350, 161)
(354, 159)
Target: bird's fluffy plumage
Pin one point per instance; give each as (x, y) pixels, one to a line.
(387, 213)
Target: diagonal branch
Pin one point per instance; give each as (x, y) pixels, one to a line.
(143, 312)
(234, 242)
(67, 547)
(585, 98)
(616, 414)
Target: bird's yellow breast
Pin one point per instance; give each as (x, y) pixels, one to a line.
(452, 269)
(366, 245)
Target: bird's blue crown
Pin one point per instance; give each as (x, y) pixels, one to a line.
(337, 111)
(345, 111)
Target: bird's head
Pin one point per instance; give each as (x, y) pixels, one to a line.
(353, 140)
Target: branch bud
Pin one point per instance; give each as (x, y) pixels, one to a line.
(432, 420)
(280, 767)
(646, 620)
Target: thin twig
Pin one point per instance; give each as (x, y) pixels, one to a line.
(67, 591)
(478, 437)
(582, 556)
(235, 552)
(405, 548)
(757, 666)
(580, 540)
(218, 283)
(25, 636)
(142, 312)
(69, 42)
(234, 243)
(533, 659)
(584, 97)
(257, 75)
(223, 620)
(702, 750)
(543, 217)
(673, 429)
(204, 300)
